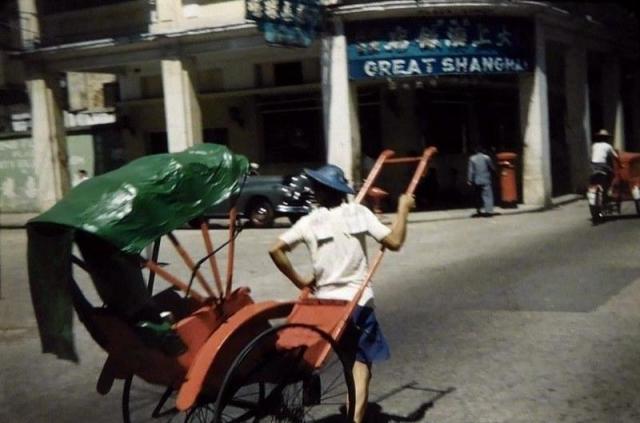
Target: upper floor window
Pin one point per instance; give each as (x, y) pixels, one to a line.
(49, 7)
(288, 73)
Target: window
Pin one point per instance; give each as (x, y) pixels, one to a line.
(289, 73)
(293, 136)
(446, 126)
(216, 136)
(59, 6)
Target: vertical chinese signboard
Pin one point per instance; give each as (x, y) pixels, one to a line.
(292, 23)
(440, 46)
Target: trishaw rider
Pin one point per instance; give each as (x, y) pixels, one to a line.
(335, 233)
(603, 155)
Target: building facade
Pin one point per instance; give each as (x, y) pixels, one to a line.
(535, 78)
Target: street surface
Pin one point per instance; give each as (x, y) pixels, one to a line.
(529, 318)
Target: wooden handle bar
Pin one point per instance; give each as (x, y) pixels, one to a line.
(420, 171)
(152, 266)
(373, 174)
(400, 160)
(204, 228)
(190, 263)
(233, 213)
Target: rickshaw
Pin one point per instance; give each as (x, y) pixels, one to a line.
(244, 360)
(625, 186)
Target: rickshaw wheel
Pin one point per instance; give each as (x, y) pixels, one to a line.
(291, 391)
(144, 402)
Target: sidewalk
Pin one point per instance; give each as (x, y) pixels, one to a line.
(19, 220)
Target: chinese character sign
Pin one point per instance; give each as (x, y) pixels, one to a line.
(440, 46)
(287, 22)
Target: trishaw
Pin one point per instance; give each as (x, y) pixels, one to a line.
(625, 186)
(245, 360)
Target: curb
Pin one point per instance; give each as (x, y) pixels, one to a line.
(19, 221)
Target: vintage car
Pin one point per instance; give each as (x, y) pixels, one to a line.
(263, 198)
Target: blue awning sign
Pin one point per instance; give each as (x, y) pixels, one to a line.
(292, 23)
(437, 46)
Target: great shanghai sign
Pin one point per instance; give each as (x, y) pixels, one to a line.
(439, 46)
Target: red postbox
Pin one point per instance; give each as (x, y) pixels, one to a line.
(508, 183)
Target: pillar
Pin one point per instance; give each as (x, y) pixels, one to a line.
(166, 15)
(29, 24)
(340, 106)
(612, 101)
(49, 141)
(181, 106)
(534, 123)
(578, 119)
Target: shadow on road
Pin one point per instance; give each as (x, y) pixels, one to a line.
(376, 414)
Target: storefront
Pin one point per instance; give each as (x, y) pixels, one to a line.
(451, 82)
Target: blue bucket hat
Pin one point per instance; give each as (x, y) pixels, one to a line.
(331, 176)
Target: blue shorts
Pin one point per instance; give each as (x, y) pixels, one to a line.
(365, 336)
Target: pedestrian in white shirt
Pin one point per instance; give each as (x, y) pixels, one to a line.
(335, 235)
(603, 155)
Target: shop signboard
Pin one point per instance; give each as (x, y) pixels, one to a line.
(290, 23)
(439, 46)
(18, 189)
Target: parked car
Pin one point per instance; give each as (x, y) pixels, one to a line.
(264, 198)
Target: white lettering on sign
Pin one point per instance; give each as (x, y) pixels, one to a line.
(446, 64)
(487, 64)
(384, 67)
(413, 68)
(461, 64)
(429, 64)
(370, 68)
(474, 65)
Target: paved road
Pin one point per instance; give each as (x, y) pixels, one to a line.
(526, 318)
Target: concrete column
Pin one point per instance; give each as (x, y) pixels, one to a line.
(578, 125)
(181, 106)
(29, 24)
(634, 145)
(534, 123)
(340, 108)
(49, 141)
(612, 101)
(130, 85)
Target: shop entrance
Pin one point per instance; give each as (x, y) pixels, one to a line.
(456, 119)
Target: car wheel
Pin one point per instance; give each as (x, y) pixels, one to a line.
(195, 223)
(294, 218)
(261, 213)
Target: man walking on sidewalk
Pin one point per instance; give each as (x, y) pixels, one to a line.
(479, 175)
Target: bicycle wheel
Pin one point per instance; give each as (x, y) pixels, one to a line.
(143, 402)
(289, 390)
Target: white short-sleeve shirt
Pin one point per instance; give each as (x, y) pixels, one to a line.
(336, 241)
(600, 152)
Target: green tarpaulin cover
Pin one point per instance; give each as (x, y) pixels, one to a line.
(130, 208)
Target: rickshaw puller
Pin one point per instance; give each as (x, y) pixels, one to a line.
(603, 156)
(335, 234)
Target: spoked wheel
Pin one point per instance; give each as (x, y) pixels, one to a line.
(144, 402)
(261, 213)
(264, 384)
(597, 209)
(596, 214)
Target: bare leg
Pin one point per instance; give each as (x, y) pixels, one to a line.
(361, 377)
